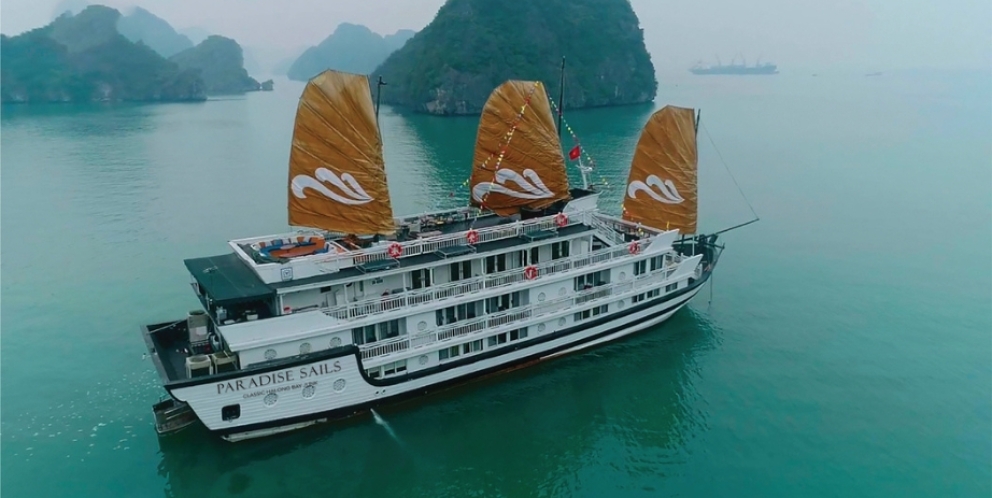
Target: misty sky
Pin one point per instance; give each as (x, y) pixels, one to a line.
(808, 34)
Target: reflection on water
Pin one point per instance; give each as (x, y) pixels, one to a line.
(507, 434)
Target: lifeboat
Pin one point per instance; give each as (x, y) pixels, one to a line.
(291, 247)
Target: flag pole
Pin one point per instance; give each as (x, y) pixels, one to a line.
(561, 96)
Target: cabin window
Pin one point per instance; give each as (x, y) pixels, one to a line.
(393, 368)
(460, 271)
(372, 333)
(456, 313)
(657, 262)
(388, 330)
(640, 267)
(497, 340)
(502, 303)
(518, 334)
(446, 353)
(654, 293)
(582, 315)
(637, 298)
(559, 250)
(535, 253)
(230, 412)
(421, 278)
(591, 280)
(496, 264)
(600, 310)
(325, 289)
(671, 287)
(374, 373)
(597, 244)
(472, 347)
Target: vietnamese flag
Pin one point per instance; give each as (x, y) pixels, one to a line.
(574, 153)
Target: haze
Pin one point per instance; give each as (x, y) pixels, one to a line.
(797, 35)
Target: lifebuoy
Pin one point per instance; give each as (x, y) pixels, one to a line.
(634, 247)
(395, 250)
(530, 273)
(472, 237)
(561, 219)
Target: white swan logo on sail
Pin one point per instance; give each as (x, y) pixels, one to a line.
(346, 183)
(665, 192)
(535, 190)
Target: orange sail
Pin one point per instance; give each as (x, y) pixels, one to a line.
(661, 189)
(518, 161)
(337, 177)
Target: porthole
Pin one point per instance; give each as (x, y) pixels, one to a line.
(541, 297)
(305, 348)
(339, 385)
(561, 322)
(335, 342)
(423, 359)
(620, 305)
(422, 326)
(623, 276)
(561, 291)
(541, 327)
(309, 391)
(270, 399)
(230, 412)
(270, 354)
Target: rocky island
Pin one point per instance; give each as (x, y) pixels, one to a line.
(220, 62)
(351, 48)
(472, 46)
(86, 58)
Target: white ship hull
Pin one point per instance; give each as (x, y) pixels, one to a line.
(292, 408)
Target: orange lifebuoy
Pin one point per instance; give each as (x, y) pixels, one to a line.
(472, 237)
(395, 250)
(561, 219)
(634, 247)
(530, 273)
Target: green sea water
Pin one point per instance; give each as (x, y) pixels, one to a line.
(844, 348)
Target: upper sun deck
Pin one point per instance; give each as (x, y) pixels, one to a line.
(443, 233)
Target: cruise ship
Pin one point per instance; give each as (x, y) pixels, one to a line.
(358, 308)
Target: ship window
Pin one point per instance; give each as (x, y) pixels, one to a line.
(326, 288)
(394, 368)
(657, 262)
(389, 329)
(640, 267)
(495, 264)
(502, 303)
(460, 271)
(230, 412)
(582, 315)
(518, 334)
(374, 373)
(421, 278)
(671, 287)
(497, 340)
(592, 280)
(637, 298)
(654, 293)
(446, 353)
(535, 253)
(559, 250)
(471, 347)
(599, 310)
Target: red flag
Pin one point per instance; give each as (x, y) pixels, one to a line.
(574, 153)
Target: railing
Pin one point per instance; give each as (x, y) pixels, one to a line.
(486, 234)
(607, 231)
(444, 291)
(516, 315)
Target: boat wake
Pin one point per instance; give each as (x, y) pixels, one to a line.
(385, 425)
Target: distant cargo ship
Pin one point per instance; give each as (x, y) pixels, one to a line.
(735, 69)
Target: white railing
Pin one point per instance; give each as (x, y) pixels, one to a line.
(608, 231)
(580, 299)
(444, 291)
(486, 234)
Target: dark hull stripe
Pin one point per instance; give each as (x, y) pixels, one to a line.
(339, 413)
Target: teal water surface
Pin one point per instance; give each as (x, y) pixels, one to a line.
(846, 350)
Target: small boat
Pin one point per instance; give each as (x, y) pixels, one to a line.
(359, 308)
